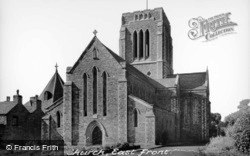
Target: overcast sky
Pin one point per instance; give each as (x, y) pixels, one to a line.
(35, 34)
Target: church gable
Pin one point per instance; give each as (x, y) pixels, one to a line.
(97, 55)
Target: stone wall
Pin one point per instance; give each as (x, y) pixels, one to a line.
(80, 123)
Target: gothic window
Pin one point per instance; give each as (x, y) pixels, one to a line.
(104, 93)
(50, 128)
(195, 111)
(95, 53)
(85, 94)
(47, 95)
(135, 45)
(140, 16)
(172, 105)
(135, 118)
(15, 121)
(147, 44)
(136, 17)
(140, 44)
(58, 118)
(94, 90)
(186, 110)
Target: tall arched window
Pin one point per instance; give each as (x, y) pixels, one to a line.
(104, 92)
(186, 118)
(135, 45)
(85, 94)
(50, 128)
(195, 111)
(147, 44)
(140, 44)
(94, 90)
(58, 118)
(135, 118)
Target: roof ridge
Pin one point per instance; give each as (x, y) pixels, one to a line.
(83, 53)
(190, 73)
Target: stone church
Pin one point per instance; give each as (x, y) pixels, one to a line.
(134, 97)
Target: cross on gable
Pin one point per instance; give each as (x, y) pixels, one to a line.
(95, 32)
(56, 66)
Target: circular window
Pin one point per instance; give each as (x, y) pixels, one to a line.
(149, 73)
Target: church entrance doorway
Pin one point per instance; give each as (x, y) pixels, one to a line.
(97, 136)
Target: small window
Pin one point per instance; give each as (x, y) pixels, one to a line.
(95, 53)
(15, 121)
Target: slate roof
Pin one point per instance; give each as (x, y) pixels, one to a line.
(168, 82)
(54, 86)
(6, 107)
(193, 80)
(130, 68)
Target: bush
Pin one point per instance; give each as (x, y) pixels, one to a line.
(229, 131)
(243, 142)
(219, 145)
(241, 133)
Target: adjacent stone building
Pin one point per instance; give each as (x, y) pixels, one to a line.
(17, 123)
(135, 97)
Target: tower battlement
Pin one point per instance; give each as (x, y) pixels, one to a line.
(154, 14)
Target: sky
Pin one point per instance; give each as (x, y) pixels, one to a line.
(37, 34)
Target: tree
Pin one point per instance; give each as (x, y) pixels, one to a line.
(215, 121)
(243, 108)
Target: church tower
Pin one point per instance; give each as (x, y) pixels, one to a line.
(146, 42)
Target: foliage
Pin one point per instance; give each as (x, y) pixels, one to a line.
(241, 133)
(215, 117)
(243, 108)
(220, 145)
(215, 120)
(237, 139)
(229, 131)
(231, 118)
(244, 105)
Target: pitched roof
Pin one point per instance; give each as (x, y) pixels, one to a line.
(6, 107)
(134, 71)
(193, 80)
(168, 82)
(55, 87)
(131, 69)
(94, 40)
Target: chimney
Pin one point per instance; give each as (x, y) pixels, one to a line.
(36, 103)
(17, 98)
(8, 98)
